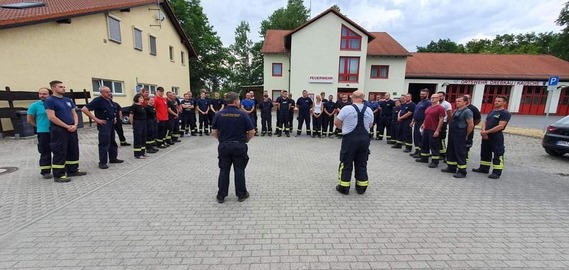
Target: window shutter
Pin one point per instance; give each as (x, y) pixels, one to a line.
(114, 29)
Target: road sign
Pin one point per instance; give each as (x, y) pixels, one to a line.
(553, 81)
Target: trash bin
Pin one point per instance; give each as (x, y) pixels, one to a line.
(21, 126)
(79, 117)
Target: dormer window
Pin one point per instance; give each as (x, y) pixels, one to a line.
(350, 41)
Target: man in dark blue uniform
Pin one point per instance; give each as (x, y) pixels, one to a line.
(63, 133)
(354, 121)
(373, 104)
(492, 148)
(291, 113)
(172, 137)
(328, 117)
(386, 106)
(266, 107)
(343, 101)
(476, 117)
(203, 109)
(405, 118)
(283, 113)
(105, 118)
(418, 118)
(460, 125)
(234, 129)
(118, 124)
(395, 125)
(304, 104)
(188, 114)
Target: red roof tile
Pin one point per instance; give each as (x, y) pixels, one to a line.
(485, 66)
(385, 45)
(275, 41)
(62, 9)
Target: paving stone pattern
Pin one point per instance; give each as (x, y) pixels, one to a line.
(161, 213)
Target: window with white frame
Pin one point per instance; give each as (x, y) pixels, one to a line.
(171, 53)
(176, 90)
(151, 87)
(137, 39)
(153, 45)
(114, 29)
(117, 87)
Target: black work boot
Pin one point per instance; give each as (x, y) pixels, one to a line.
(343, 190)
(417, 152)
(270, 133)
(263, 133)
(422, 160)
(397, 146)
(449, 169)
(482, 169)
(495, 174)
(461, 173)
(407, 149)
(434, 164)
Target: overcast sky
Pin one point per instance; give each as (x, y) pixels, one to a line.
(411, 22)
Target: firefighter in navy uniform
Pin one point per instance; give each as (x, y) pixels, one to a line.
(385, 120)
(234, 129)
(460, 125)
(304, 105)
(188, 114)
(266, 107)
(492, 148)
(217, 104)
(476, 117)
(151, 126)
(63, 133)
(105, 110)
(339, 105)
(203, 109)
(137, 118)
(405, 118)
(355, 122)
(328, 117)
(172, 137)
(118, 124)
(291, 113)
(283, 113)
(373, 104)
(395, 125)
(418, 119)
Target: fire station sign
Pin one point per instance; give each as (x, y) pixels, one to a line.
(321, 79)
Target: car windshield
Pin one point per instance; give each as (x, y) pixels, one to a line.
(563, 121)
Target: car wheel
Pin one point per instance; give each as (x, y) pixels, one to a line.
(125, 120)
(554, 152)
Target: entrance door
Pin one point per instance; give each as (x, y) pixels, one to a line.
(347, 91)
(415, 90)
(490, 93)
(455, 91)
(534, 99)
(563, 106)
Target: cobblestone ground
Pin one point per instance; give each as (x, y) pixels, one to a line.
(161, 213)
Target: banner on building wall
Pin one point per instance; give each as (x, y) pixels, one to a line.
(501, 82)
(321, 79)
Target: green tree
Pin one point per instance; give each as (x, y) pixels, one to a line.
(241, 58)
(560, 44)
(287, 18)
(442, 46)
(209, 68)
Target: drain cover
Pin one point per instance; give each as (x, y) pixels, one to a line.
(7, 170)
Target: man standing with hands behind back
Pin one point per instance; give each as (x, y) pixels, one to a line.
(37, 117)
(234, 129)
(355, 122)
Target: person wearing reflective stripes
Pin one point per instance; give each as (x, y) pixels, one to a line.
(460, 126)
(150, 126)
(266, 107)
(64, 143)
(172, 136)
(105, 116)
(431, 129)
(405, 118)
(118, 124)
(386, 106)
(443, 134)
(418, 118)
(328, 117)
(476, 117)
(233, 128)
(304, 106)
(395, 125)
(283, 114)
(291, 113)
(355, 122)
(493, 139)
(161, 105)
(188, 114)
(373, 104)
(37, 117)
(137, 118)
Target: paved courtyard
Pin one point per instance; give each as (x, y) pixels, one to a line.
(161, 213)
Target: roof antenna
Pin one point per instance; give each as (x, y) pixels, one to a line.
(159, 15)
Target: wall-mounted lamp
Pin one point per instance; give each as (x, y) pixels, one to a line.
(445, 84)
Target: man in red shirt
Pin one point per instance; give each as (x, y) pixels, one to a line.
(161, 106)
(430, 144)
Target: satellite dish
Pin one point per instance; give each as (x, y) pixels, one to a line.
(160, 16)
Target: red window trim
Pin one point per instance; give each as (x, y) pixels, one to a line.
(346, 70)
(379, 72)
(348, 38)
(273, 70)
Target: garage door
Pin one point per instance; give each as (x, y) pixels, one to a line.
(534, 99)
(490, 93)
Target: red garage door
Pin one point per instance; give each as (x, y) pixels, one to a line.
(458, 90)
(490, 93)
(563, 106)
(534, 99)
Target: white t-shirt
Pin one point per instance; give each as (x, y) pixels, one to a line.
(349, 118)
(447, 107)
(318, 107)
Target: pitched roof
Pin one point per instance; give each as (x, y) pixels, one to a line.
(485, 66)
(64, 9)
(342, 16)
(385, 45)
(382, 45)
(275, 41)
